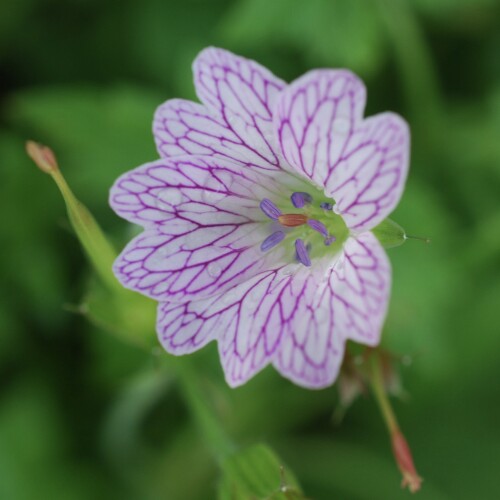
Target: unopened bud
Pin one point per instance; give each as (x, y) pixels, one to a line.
(43, 157)
(404, 459)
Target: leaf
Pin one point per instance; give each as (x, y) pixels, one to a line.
(257, 472)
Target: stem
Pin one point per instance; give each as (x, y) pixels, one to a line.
(90, 234)
(201, 410)
(400, 447)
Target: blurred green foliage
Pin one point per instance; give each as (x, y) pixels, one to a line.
(83, 415)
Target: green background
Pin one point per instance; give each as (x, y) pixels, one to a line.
(83, 415)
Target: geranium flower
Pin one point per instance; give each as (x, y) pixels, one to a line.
(258, 218)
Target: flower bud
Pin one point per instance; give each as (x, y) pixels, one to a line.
(43, 157)
(91, 236)
(405, 463)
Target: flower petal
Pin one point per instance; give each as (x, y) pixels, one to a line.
(184, 127)
(360, 283)
(362, 164)
(295, 320)
(251, 322)
(239, 95)
(314, 119)
(246, 321)
(202, 237)
(368, 181)
(184, 189)
(351, 303)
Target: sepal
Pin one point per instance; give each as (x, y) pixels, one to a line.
(390, 233)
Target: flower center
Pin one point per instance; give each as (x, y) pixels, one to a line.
(314, 228)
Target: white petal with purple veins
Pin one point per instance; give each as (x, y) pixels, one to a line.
(367, 183)
(203, 232)
(245, 321)
(186, 188)
(240, 95)
(362, 164)
(299, 323)
(350, 304)
(307, 117)
(256, 323)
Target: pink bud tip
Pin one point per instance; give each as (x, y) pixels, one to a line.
(402, 453)
(43, 156)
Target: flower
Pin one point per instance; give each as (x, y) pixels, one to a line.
(258, 216)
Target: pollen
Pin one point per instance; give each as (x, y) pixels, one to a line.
(292, 220)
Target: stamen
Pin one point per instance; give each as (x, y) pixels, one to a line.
(292, 220)
(302, 253)
(326, 206)
(300, 199)
(318, 226)
(330, 240)
(270, 209)
(272, 240)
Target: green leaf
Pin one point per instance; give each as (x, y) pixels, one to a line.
(257, 472)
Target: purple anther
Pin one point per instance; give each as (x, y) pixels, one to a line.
(318, 226)
(300, 199)
(302, 253)
(326, 206)
(272, 240)
(270, 209)
(330, 240)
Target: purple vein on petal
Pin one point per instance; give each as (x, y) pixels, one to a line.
(270, 209)
(302, 253)
(272, 240)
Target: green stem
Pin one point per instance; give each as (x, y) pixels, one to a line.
(201, 410)
(95, 243)
(400, 447)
